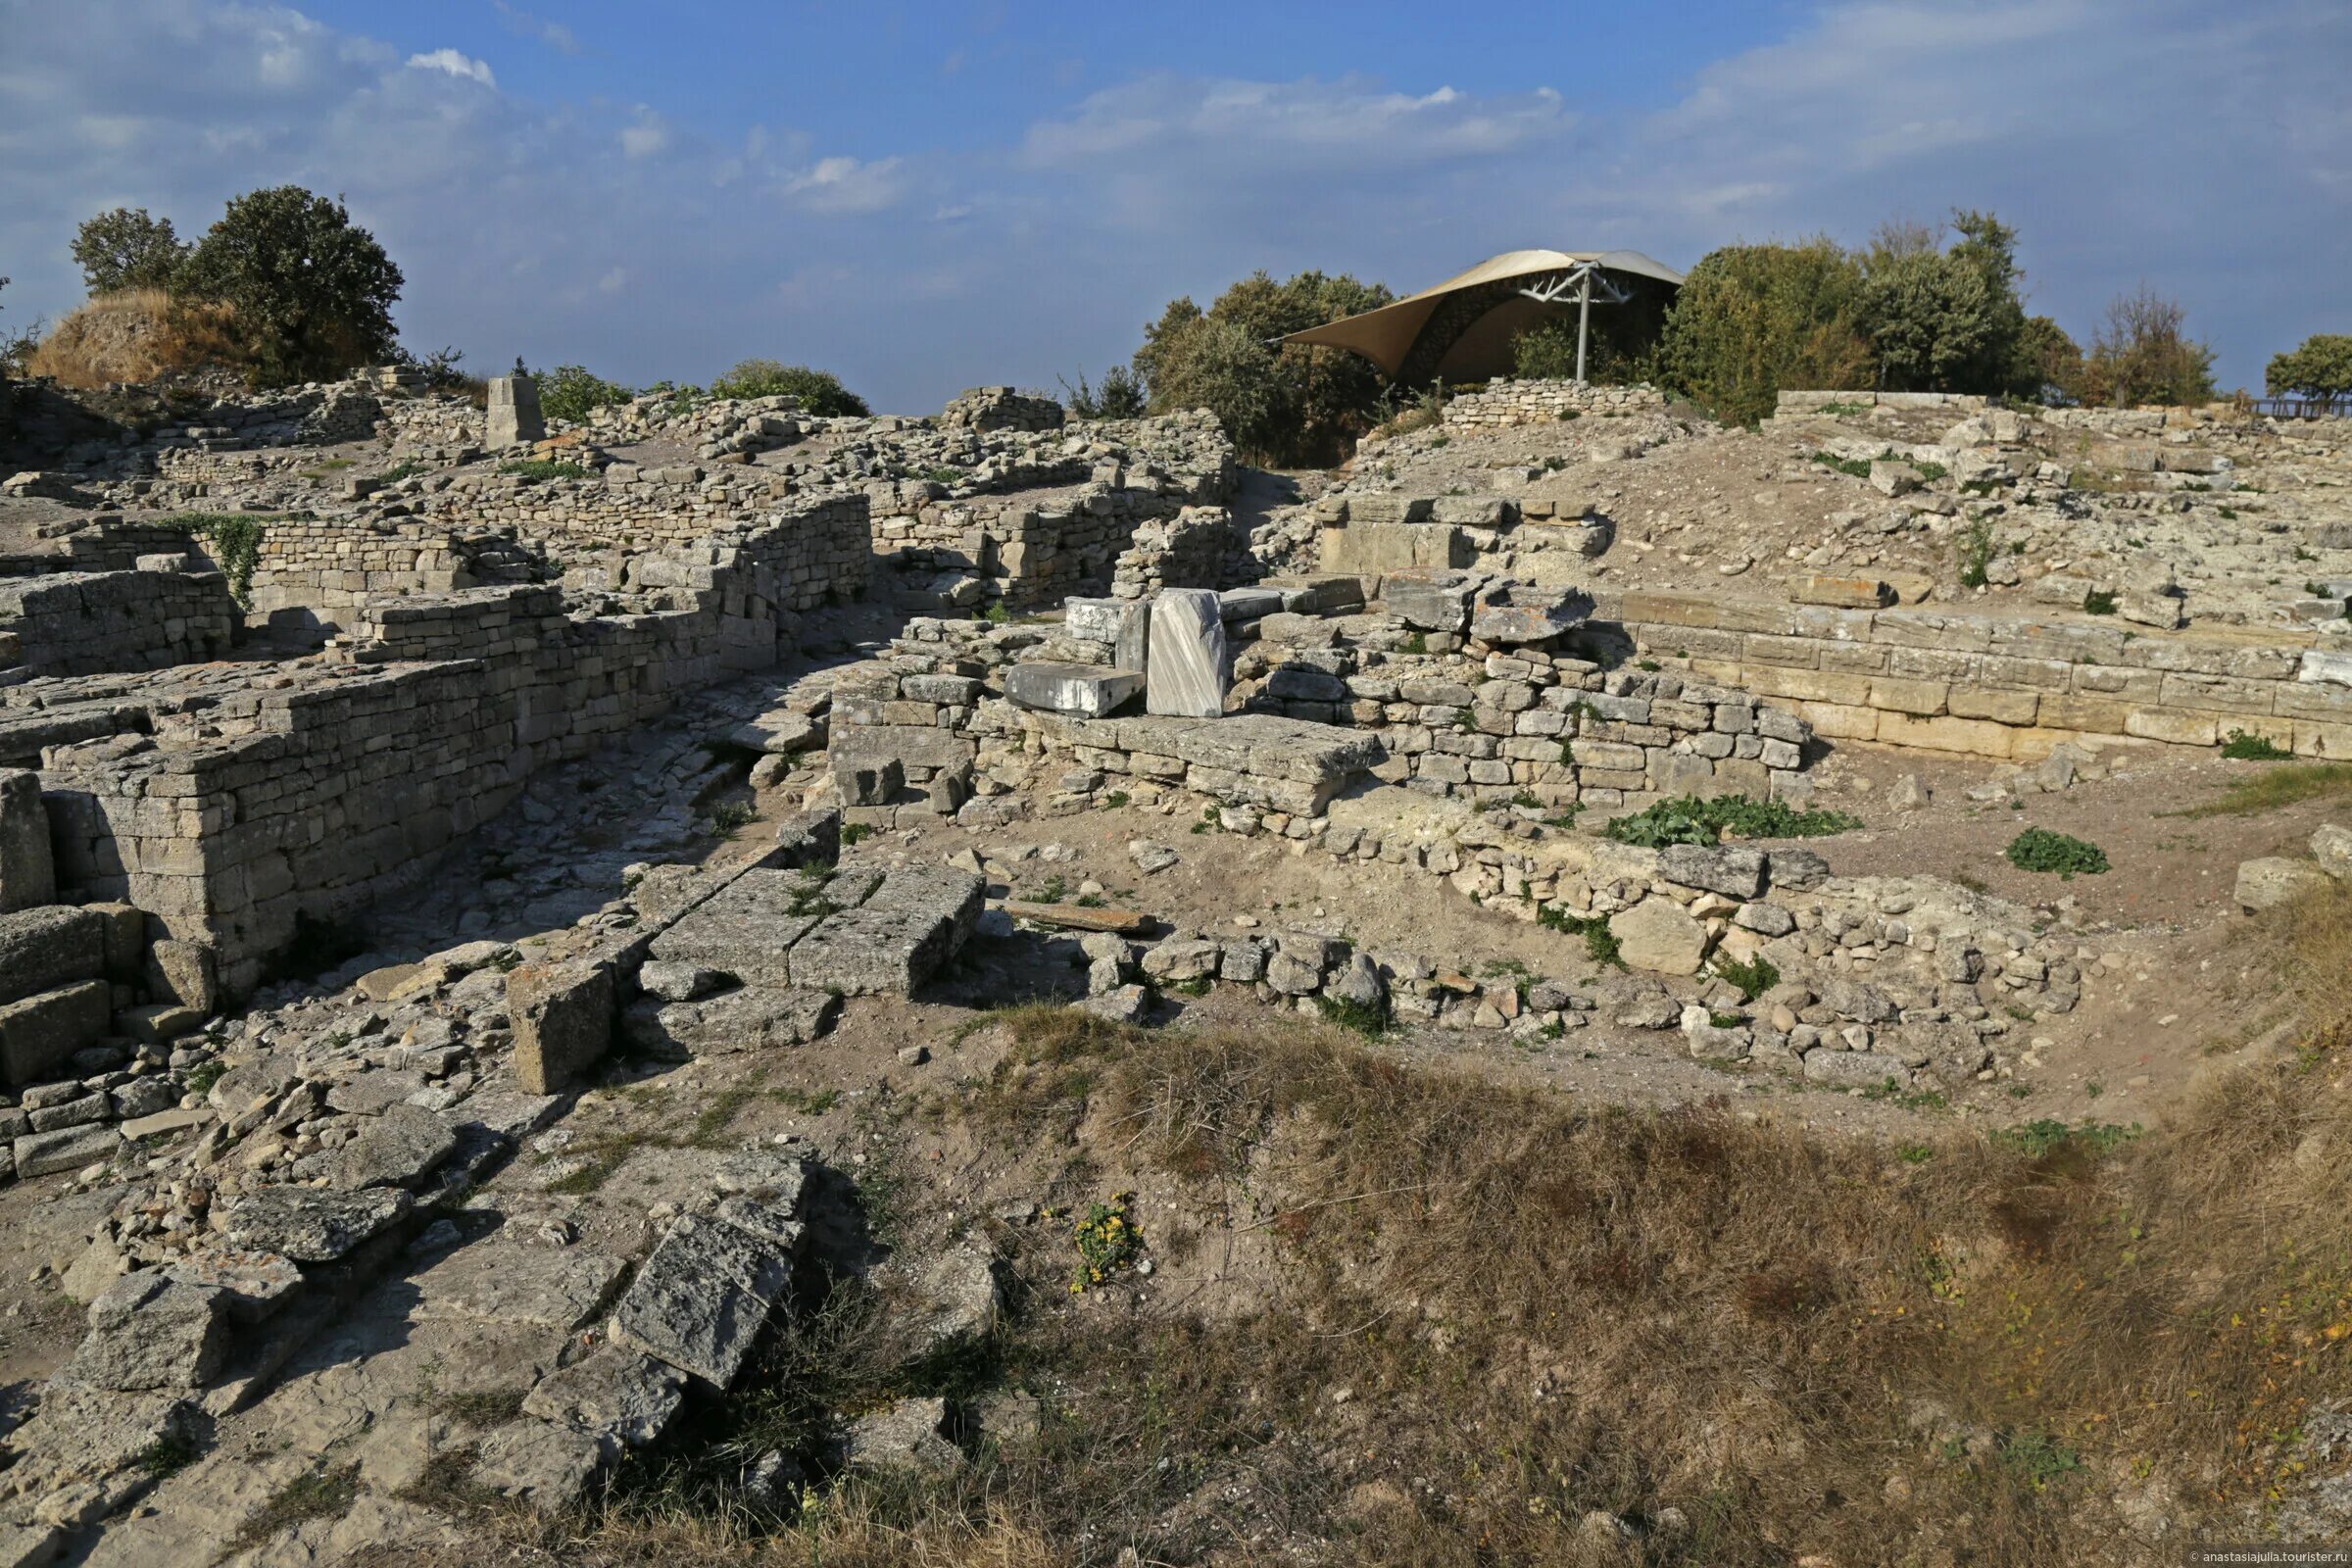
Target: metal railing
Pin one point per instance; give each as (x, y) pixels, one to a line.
(2340, 408)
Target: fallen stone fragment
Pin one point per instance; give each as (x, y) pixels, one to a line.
(1077, 917)
(254, 1284)
(398, 1149)
(1656, 934)
(612, 1394)
(1150, 858)
(312, 1225)
(700, 1302)
(555, 1288)
(2272, 880)
(542, 1463)
(903, 1437)
(150, 1331)
(67, 1148)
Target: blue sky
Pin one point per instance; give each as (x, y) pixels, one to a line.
(928, 197)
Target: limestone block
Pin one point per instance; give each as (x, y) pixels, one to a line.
(701, 1298)
(1656, 934)
(312, 1225)
(27, 873)
(918, 918)
(2272, 880)
(1189, 666)
(1086, 691)
(514, 416)
(39, 1035)
(150, 1331)
(561, 1015)
(42, 949)
(1846, 593)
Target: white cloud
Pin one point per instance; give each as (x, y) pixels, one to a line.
(650, 134)
(521, 232)
(463, 66)
(846, 185)
(555, 34)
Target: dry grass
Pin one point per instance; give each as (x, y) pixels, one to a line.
(2274, 786)
(137, 335)
(1478, 1315)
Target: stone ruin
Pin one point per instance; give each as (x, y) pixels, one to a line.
(267, 668)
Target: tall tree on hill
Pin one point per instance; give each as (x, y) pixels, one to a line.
(311, 290)
(2143, 354)
(124, 248)
(1751, 320)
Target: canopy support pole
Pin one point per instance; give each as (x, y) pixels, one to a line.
(1584, 321)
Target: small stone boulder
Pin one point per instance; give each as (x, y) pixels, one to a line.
(1658, 936)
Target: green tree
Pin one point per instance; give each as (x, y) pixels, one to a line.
(1283, 405)
(312, 291)
(2321, 367)
(1943, 320)
(1120, 396)
(2048, 363)
(820, 391)
(1751, 320)
(126, 249)
(2142, 354)
(568, 392)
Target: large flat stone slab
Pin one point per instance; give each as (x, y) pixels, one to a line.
(748, 928)
(915, 922)
(700, 1302)
(398, 1149)
(614, 1394)
(1083, 690)
(312, 1225)
(556, 1288)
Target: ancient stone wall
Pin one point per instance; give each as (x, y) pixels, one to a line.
(79, 622)
(1507, 402)
(1000, 408)
(1990, 686)
(1190, 549)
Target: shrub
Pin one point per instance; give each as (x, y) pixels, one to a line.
(124, 248)
(1282, 405)
(820, 391)
(1120, 396)
(2037, 849)
(312, 291)
(1754, 978)
(570, 392)
(1600, 942)
(1754, 318)
(1976, 554)
(2244, 748)
(1691, 820)
(1851, 467)
(235, 541)
(1942, 321)
(2098, 602)
(536, 470)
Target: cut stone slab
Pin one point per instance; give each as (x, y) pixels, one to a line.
(1844, 593)
(1429, 601)
(39, 1034)
(163, 1123)
(1086, 691)
(747, 928)
(1249, 604)
(916, 920)
(43, 948)
(1072, 917)
(398, 1149)
(513, 416)
(2331, 851)
(701, 1298)
(67, 1148)
(556, 1288)
(1190, 664)
(542, 1463)
(314, 1225)
(561, 1015)
(612, 1394)
(1658, 936)
(150, 1331)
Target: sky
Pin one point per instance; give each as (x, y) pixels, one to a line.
(926, 197)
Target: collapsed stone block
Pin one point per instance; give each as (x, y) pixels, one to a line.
(1085, 691)
(561, 1015)
(27, 871)
(700, 1302)
(46, 947)
(39, 1035)
(150, 1331)
(917, 919)
(1190, 665)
